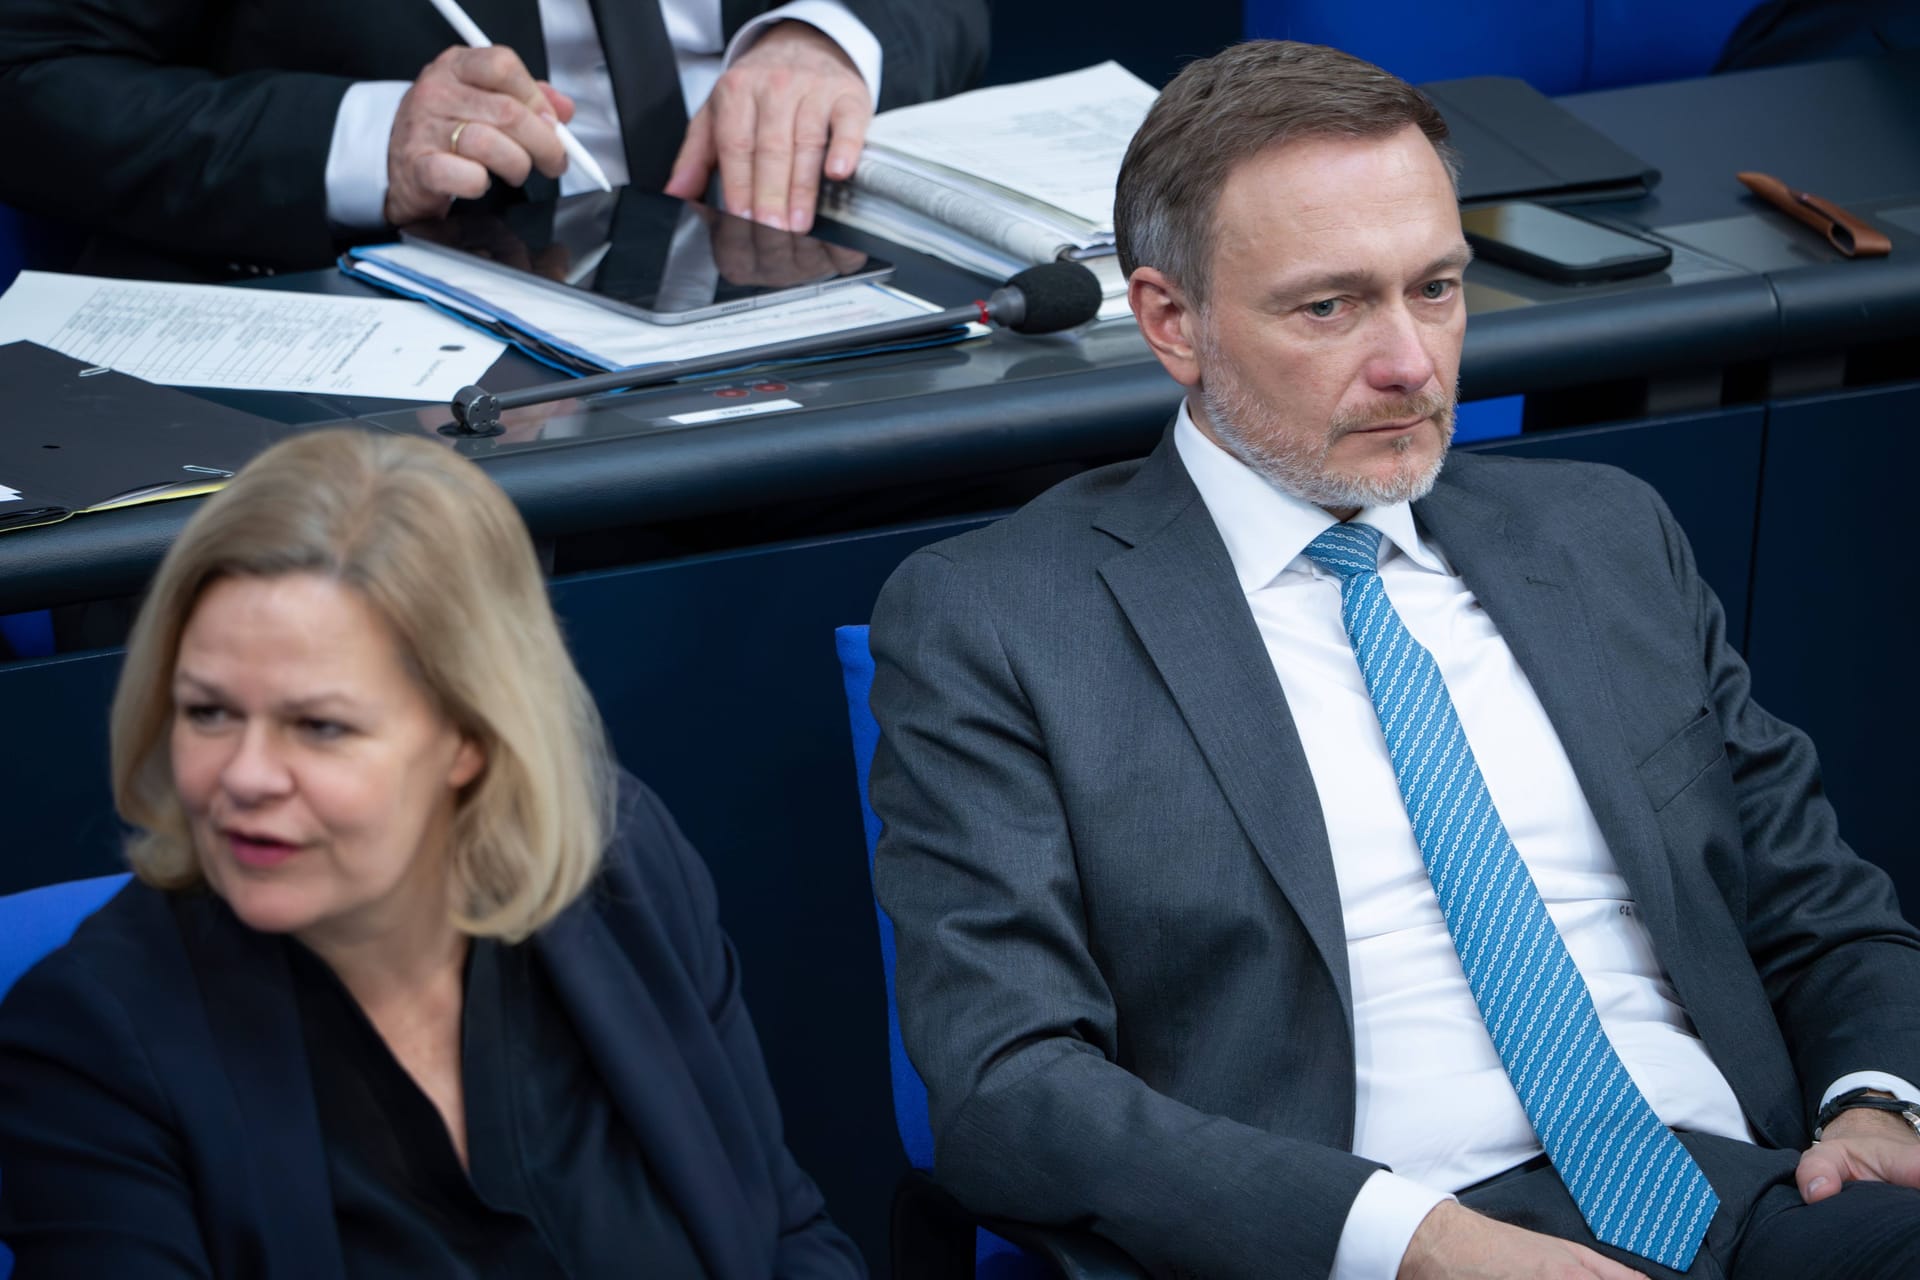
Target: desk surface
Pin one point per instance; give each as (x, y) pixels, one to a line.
(1746, 285)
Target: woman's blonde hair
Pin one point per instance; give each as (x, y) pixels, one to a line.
(442, 556)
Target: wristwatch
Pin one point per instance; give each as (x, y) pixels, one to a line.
(1867, 1098)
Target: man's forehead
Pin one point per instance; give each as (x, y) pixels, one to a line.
(1320, 175)
(1336, 194)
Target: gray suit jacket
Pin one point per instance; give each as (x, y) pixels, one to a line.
(1122, 967)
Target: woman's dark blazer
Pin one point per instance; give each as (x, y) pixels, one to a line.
(157, 1118)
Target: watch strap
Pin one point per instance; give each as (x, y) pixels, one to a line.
(1864, 1099)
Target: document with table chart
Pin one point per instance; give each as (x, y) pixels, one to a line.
(196, 335)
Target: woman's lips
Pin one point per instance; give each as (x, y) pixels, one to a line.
(259, 851)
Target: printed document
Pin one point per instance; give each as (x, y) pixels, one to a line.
(197, 335)
(1056, 142)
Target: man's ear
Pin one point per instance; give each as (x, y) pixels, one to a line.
(1167, 321)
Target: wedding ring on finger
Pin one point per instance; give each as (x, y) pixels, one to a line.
(453, 143)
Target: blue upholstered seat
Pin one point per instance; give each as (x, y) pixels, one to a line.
(35, 922)
(1557, 46)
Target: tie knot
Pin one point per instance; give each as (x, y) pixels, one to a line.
(1347, 549)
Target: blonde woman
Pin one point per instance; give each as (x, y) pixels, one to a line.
(411, 981)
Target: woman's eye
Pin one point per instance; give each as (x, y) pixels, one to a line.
(205, 715)
(324, 730)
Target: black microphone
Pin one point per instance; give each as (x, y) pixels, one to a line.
(1043, 299)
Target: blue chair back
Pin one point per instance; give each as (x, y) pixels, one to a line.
(35, 922)
(994, 1258)
(909, 1093)
(1557, 46)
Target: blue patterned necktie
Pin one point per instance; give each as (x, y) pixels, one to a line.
(1634, 1183)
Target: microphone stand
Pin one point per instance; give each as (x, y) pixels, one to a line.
(476, 410)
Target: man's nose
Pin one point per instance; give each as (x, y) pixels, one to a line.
(257, 770)
(1401, 361)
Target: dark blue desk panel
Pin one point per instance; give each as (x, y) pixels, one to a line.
(56, 797)
(1831, 641)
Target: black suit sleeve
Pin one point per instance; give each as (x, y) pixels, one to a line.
(111, 124)
(92, 1175)
(930, 48)
(678, 887)
(1003, 1005)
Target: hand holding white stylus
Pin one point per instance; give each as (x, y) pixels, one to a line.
(464, 27)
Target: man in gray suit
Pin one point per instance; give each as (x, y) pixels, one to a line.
(1211, 945)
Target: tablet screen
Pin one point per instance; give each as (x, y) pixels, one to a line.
(657, 256)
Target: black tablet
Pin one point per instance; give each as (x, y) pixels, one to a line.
(661, 259)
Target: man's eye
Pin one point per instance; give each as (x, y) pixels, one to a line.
(1436, 290)
(1324, 308)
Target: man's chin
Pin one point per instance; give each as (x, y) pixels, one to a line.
(1407, 477)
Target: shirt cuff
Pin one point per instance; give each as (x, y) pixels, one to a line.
(357, 157)
(1880, 1080)
(1380, 1225)
(831, 19)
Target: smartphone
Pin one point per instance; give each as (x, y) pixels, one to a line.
(651, 256)
(1558, 245)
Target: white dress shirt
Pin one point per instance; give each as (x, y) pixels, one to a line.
(577, 66)
(1433, 1102)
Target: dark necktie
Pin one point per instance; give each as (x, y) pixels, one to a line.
(646, 87)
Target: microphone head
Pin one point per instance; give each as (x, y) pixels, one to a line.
(1059, 295)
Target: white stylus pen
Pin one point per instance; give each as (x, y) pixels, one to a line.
(463, 27)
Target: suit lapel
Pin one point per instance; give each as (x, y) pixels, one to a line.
(1529, 593)
(641, 1060)
(1177, 587)
(247, 994)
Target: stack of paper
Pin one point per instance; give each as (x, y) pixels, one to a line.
(575, 334)
(1001, 178)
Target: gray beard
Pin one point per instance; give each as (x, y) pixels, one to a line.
(1301, 469)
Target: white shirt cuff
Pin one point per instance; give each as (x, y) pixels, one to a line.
(831, 19)
(1380, 1225)
(1892, 1084)
(357, 157)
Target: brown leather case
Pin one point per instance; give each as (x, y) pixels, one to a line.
(1849, 234)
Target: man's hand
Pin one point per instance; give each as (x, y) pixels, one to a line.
(1860, 1145)
(789, 108)
(471, 114)
(1454, 1241)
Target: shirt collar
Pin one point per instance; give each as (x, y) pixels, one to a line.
(1266, 528)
